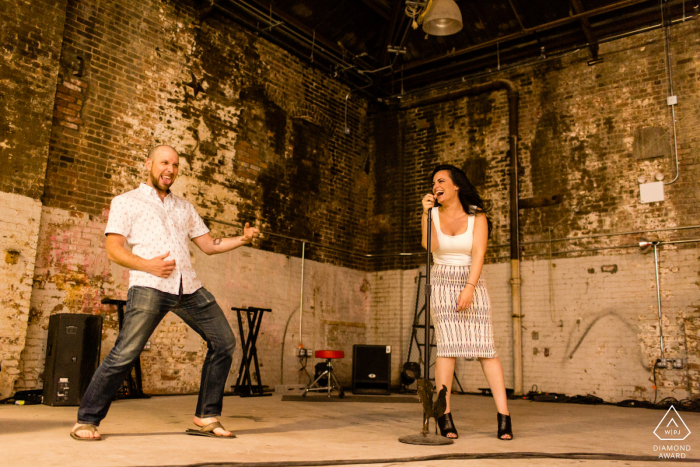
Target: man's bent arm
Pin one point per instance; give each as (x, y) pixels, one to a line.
(123, 257)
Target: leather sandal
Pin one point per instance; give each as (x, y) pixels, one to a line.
(208, 430)
(91, 428)
(504, 427)
(447, 426)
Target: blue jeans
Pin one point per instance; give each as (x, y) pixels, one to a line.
(145, 308)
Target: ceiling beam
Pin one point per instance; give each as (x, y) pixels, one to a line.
(378, 8)
(288, 39)
(587, 29)
(266, 6)
(517, 16)
(525, 32)
(391, 31)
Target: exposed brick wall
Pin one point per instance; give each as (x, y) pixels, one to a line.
(30, 44)
(261, 137)
(579, 134)
(70, 97)
(260, 132)
(31, 38)
(577, 138)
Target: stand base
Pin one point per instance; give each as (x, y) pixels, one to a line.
(426, 440)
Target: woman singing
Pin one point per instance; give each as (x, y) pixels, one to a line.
(460, 305)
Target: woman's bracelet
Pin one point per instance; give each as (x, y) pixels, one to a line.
(469, 283)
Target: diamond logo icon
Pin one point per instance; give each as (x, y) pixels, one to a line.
(672, 427)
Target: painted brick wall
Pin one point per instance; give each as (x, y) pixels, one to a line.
(335, 307)
(19, 224)
(599, 333)
(71, 275)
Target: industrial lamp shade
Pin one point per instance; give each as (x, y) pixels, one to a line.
(443, 18)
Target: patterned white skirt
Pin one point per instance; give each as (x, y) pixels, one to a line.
(466, 333)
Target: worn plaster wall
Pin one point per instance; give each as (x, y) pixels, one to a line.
(259, 135)
(585, 134)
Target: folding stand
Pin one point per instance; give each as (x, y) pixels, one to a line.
(418, 324)
(244, 383)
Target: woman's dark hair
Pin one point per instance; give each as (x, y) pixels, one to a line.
(467, 194)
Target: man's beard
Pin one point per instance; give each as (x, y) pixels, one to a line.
(155, 180)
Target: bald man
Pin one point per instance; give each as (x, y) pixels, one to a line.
(157, 225)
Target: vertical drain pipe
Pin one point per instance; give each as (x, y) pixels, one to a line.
(644, 244)
(301, 300)
(513, 99)
(658, 298)
(515, 245)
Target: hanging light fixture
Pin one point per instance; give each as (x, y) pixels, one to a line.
(442, 18)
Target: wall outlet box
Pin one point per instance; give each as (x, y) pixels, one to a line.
(651, 192)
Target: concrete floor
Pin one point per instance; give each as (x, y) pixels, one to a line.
(151, 433)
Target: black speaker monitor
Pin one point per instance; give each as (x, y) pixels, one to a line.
(72, 356)
(371, 369)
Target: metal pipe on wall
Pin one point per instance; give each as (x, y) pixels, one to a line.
(643, 244)
(301, 299)
(658, 297)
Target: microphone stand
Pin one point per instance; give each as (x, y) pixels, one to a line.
(422, 438)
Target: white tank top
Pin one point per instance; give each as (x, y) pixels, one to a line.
(453, 250)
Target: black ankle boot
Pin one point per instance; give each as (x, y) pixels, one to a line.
(504, 427)
(447, 426)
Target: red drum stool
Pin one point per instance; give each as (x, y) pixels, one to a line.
(333, 383)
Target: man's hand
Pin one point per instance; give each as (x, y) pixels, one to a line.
(159, 267)
(249, 233)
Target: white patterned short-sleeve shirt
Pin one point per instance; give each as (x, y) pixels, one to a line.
(152, 228)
